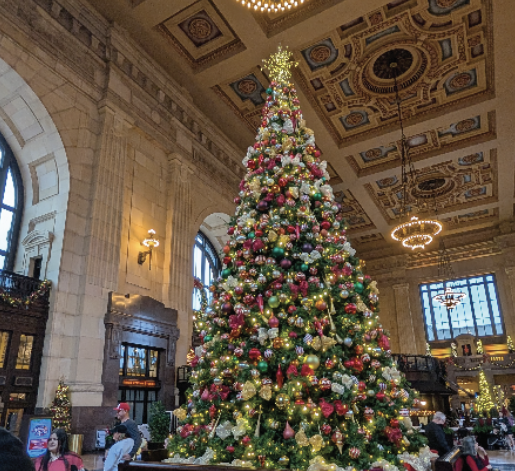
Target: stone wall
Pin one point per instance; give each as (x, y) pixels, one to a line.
(399, 277)
(109, 146)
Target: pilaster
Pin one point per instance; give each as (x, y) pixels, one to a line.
(107, 203)
(405, 327)
(178, 259)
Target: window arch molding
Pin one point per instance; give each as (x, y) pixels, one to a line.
(206, 264)
(11, 205)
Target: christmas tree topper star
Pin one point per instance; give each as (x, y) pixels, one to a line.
(279, 65)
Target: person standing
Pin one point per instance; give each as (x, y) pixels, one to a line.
(132, 429)
(435, 434)
(121, 448)
(58, 456)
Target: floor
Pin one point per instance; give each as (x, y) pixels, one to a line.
(503, 460)
(93, 461)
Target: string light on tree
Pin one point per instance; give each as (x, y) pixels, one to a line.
(295, 369)
(61, 408)
(484, 400)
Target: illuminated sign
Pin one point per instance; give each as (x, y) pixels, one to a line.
(141, 383)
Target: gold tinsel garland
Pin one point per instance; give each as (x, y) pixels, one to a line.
(26, 300)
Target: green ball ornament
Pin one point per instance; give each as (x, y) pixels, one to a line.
(262, 366)
(226, 273)
(317, 196)
(269, 91)
(358, 287)
(208, 338)
(274, 302)
(304, 267)
(278, 252)
(251, 235)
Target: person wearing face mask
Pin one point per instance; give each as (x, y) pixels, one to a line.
(58, 457)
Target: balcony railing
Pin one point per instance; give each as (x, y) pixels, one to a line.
(408, 363)
(19, 286)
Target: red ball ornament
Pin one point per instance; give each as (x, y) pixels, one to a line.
(245, 440)
(251, 164)
(230, 231)
(326, 429)
(227, 308)
(354, 452)
(380, 396)
(238, 290)
(273, 322)
(230, 449)
(292, 309)
(282, 182)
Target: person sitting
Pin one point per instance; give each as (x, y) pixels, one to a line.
(119, 450)
(58, 456)
(12, 453)
(474, 457)
(436, 436)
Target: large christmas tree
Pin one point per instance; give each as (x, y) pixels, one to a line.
(295, 369)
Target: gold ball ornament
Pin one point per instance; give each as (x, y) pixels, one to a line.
(282, 401)
(312, 361)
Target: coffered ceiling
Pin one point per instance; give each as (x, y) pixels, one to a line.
(455, 85)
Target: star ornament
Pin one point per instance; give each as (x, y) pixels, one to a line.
(279, 65)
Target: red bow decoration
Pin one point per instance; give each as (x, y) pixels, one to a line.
(303, 286)
(394, 435)
(326, 407)
(340, 408)
(212, 411)
(306, 371)
(236, 321)
(186, 430)
(292, 371)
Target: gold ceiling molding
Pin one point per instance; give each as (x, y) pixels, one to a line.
(455, 136)
(445, 57)
(201, 35)
(356, 219)
(454, 185)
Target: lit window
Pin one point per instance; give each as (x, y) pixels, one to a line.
(138, 361)
(24, 352)
(206, 265)
(4, 343)
(478, 315)
(11, 205)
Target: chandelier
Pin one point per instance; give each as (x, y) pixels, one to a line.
(450, 298)
(415, 233)
(271, 6)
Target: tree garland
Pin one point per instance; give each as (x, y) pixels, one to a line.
(26, 301)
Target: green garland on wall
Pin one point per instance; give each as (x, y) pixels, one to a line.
(25, 301)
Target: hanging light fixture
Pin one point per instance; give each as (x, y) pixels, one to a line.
(415, 233)
(271, 6)
(450, 298)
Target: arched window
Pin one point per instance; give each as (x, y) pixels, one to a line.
(206, 265)
(11, 205)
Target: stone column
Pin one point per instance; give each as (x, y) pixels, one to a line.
(178, 254)
(101, 259)
(405, 329)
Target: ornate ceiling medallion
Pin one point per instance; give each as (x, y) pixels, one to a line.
(271, 6)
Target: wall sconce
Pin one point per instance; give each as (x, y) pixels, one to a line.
(423, 403)
(151, 242)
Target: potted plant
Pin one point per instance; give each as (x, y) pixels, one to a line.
(159, 426)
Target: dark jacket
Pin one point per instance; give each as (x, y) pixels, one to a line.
(133, 432)
(436, 438)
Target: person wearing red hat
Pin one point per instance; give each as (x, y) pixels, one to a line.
(132, 429)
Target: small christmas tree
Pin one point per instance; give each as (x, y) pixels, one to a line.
(511, 347)
(484, 401)
(61, 408)
(295, 369)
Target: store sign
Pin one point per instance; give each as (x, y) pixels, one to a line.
(39, 433)
(140, 383)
